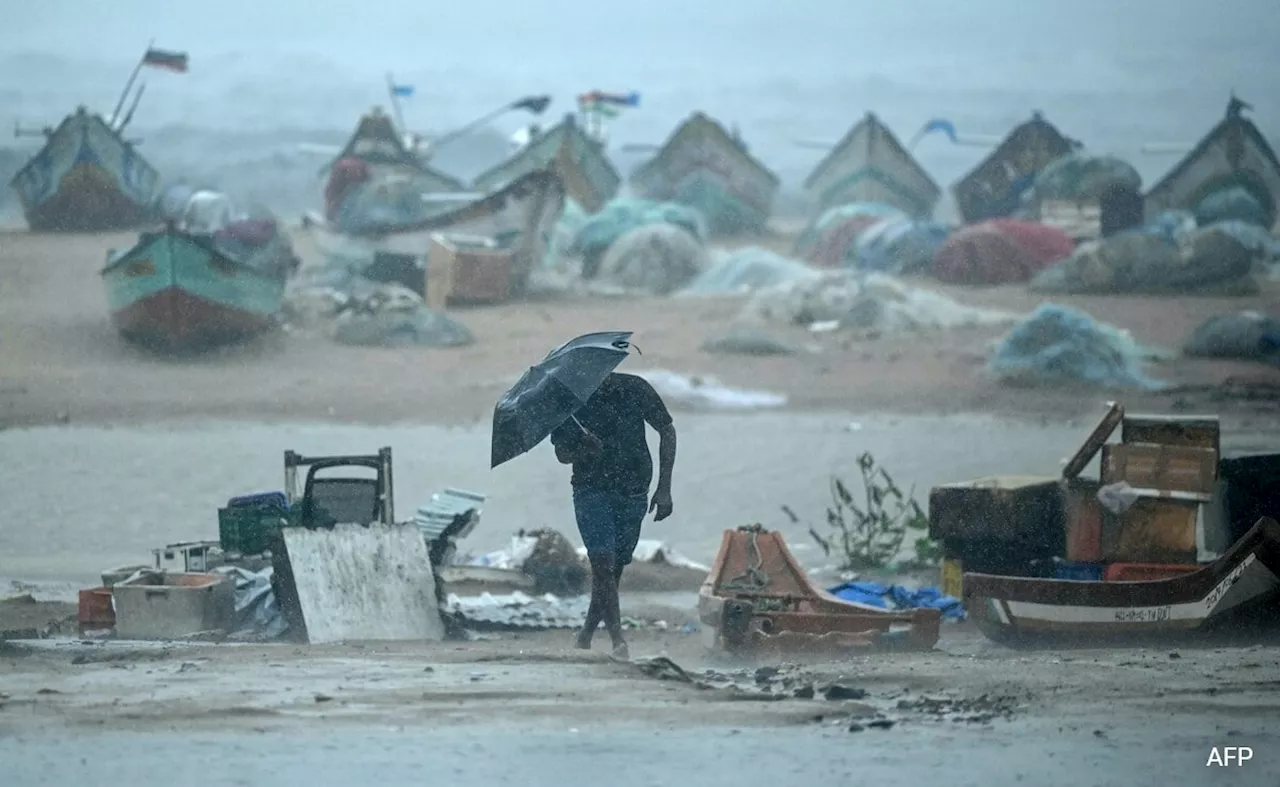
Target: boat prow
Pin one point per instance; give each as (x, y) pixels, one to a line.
(175, 290)
(579, 161)
(993, 188)
(758, 600)
(870, 165)
(86, 178)
(1029, 611)
(705, 167)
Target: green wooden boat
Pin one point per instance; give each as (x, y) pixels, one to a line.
(178, 290)
(579, 161)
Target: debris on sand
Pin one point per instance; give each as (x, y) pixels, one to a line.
(982, 709)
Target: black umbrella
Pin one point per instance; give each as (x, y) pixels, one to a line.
(550, 393)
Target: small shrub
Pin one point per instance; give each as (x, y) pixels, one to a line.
(869, 533)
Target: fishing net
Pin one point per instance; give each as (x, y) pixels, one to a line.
(599, 231)
(1059, 345)
(1234, 203)
(1080, 176)
(657, 258)
(899, 246)
(746, 270)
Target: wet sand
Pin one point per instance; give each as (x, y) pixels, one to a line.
(530, 710)
(61, 361)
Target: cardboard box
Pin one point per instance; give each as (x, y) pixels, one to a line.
(468, 270)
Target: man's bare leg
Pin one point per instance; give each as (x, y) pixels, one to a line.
(594, 612)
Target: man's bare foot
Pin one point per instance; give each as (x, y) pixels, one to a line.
(583, 641)
(620, 651)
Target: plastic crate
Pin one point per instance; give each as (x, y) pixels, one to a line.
(247, 524)
(1080, 572)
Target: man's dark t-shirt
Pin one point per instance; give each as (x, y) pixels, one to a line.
(616, 414)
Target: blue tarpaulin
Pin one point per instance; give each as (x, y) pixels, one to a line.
(900, 597)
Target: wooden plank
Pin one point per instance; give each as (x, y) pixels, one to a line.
(1172, 468)
(1099, 436)
(1151, 531)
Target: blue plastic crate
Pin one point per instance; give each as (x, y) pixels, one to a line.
(1080, 572)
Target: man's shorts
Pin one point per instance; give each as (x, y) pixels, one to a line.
(609, 522)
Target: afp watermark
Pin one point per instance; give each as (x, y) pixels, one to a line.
(1225, 756)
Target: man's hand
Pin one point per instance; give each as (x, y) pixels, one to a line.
(661, 504)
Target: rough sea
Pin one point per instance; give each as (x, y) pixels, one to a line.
(266, 76)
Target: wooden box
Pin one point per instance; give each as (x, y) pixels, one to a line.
(1083, 519)
(999, 507)
(1161, 468)
(1193, 431)
(1151, 531)
(469, 269)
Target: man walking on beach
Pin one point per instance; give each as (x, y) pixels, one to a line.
(612, 468)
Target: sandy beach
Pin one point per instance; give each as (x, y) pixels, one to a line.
(107, 452)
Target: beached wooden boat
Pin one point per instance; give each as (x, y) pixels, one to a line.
(519, 217)
(871, 165)
(86, 178)
(706, 167)
(1233, 153)
(994, 187)
(377, 143)
(758, 601)
(175, 290)
(1020, 610)
(580, 162)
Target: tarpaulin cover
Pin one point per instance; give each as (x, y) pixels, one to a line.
(900, 597)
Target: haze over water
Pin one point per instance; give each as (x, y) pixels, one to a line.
(1114, 73)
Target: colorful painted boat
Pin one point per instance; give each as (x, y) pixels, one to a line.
(705, 167)
(871, 165)
(1244, 582)
(86, 178)
(758, 601)
(995, 187)
(175, 290)
(519, 217)
(1233, 154)
(589, 177)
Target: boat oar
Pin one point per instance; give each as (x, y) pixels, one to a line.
(639, 147)
(1167, 148)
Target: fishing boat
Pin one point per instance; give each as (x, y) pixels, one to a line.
(871, 165)
(579, 160)
(995, 187)
(176, 289)
(1022, 610)
(386, 151)
(86, 178)
(758, 600)
(517, 218)
(1233, 154)
(704, 166)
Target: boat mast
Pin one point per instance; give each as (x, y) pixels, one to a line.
(124, 94)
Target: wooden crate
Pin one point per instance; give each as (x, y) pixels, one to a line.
(468, 270)
(1151, 531)
(1152, 468)
(1200, 431)
(1083, 517)
(999, 507)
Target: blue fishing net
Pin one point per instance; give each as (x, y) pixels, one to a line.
(745, 270)
(599, 231)
(1235, 203)
(833, 216)
(1059, 345)
(899, 246)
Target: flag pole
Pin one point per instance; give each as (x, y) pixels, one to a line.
(477, 123)
(395, 103)
(124, 95)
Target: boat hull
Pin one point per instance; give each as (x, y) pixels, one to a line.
(588, 176)
(871, 165)
(1233, 153)
(86, 179)
(1027, 611)
(704, 167)
(176, 291)
(520, 216)
(993, 188)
